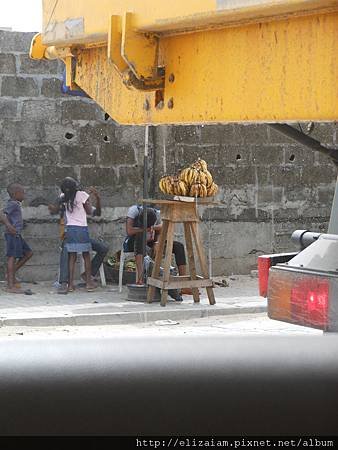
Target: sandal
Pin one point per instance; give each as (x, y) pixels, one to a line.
(28, 292)
(91, 288)
(63, 289)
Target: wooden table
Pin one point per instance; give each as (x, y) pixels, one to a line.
(172, 212)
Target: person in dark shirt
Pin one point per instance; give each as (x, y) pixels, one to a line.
(18, 251)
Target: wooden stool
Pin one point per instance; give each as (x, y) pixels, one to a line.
(179, 212)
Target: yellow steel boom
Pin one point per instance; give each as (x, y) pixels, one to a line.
(198, 61)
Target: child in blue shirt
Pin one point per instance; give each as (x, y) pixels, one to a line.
(18, 251)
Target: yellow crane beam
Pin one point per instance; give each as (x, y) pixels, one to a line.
(199, 61)
(86, 21)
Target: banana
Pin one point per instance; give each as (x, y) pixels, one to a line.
(209, 178)
(162, 185)
(176, 187)
(165, 184)
(203, 164)
(202, 178)
(193, 191)
(189, 176)
(203, 190)
(171, 186)
(192, 176)
(183, 175)
(198, 190)
(212, 190)
(179, 187)
(183, 188)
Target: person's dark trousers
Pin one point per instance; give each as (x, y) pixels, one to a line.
(99, 247)
(63, 276)
(136, 244)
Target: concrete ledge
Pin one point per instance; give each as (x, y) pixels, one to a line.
(120, 318)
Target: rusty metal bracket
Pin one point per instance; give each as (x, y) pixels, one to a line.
(139, 50)
(131, 81)
(134, 55)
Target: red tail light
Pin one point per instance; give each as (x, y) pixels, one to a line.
(310, 302)
(300, 298)
(264, 264)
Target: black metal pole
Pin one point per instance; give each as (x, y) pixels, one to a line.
(332, 153)
(145, 187)
(303, 139)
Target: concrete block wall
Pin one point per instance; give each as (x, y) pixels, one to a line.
(45, 136)
(269, 185)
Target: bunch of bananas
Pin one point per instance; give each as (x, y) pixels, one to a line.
(198, 190)
(193, 181)
(173, 186)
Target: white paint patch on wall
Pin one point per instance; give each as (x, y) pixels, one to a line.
(237, 4)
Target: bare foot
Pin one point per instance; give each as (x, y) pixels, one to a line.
(71, 288)
(83, 277)
(15, 290)
(17, 283)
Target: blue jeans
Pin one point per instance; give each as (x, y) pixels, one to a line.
(99, 247)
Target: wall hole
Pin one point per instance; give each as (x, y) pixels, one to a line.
(292, 158)
(159, 99)
(106, 139)
(69, 135)
(106, 116)
(238, 157)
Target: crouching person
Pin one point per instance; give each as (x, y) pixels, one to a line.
(134, 240)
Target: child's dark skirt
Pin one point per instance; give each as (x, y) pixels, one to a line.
(77, 239)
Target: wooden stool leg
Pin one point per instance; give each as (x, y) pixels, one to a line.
(167, 261)
(203, 261)
(191, 260)
(158, 258)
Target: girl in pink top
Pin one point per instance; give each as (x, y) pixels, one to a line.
(77, 235)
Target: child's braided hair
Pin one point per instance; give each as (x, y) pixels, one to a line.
(69, 187)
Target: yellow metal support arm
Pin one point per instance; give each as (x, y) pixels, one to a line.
(147, 61)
